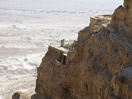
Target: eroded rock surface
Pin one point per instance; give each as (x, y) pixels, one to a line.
(122, 19)
(98, 67)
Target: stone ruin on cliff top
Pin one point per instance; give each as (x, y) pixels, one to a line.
(96, 66)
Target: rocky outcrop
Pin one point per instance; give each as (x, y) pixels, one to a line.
(98, 67)
(40, 96)
(20, 95)
(97, 21)
(122, 19)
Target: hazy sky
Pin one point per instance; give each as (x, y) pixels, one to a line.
(61, 4)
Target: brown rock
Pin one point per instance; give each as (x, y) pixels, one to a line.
(122, 19)
(20, 95)
(99, 67)
(97, 21)
(40, 96)
(95, 25)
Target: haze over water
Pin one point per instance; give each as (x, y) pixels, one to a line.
(61, 4)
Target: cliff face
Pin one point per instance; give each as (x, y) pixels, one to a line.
(99, 66)
(122, 19)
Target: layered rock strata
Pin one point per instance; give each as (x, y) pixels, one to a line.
(98, 67)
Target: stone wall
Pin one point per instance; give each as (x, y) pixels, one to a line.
(97, 21)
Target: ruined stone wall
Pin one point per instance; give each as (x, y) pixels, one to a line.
(95, 25)
(97, 21)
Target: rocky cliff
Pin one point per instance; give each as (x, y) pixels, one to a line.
(99, 66)
(122, 19)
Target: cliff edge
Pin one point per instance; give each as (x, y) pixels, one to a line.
(96, 66)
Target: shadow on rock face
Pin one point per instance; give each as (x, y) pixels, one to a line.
(16, 96)
(40, 96)
(21, 95)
